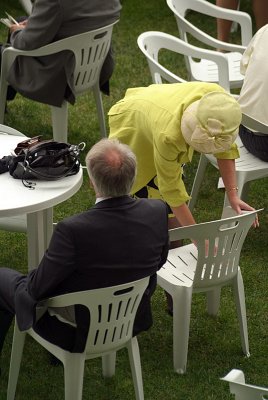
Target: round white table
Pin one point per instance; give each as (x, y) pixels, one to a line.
(37, 204)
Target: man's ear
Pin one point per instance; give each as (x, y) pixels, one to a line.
(91, 184)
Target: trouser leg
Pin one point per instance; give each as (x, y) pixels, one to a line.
(8, 282)
(6, 319)
(254, 143)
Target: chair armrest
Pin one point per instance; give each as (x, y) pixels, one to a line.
(235, 375)
(168, 42)
(177, 45)
(186, 27)
(254, 124)
(47, 50)
(158, 72)
(240, 17)
(10, 53)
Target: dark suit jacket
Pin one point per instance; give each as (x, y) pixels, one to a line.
(119, 240)
(45, 79)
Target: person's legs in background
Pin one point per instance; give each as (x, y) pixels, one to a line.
(224, 26)
(8, 283)
(6, 319)
(260, 11)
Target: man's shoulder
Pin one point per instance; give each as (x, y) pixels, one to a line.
(141, 206)
(154, 204)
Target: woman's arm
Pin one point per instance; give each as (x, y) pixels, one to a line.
(183, 215)
(228, 174)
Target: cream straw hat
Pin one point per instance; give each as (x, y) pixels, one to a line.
(211, 124)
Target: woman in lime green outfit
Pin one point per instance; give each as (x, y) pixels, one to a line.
(164, 124)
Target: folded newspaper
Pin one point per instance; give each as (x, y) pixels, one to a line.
(9, 21)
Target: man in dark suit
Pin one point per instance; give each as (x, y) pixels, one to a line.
(119, 240)
(49, 79)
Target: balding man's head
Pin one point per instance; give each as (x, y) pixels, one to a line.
(111, 168)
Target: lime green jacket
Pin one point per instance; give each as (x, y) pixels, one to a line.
(148, 119)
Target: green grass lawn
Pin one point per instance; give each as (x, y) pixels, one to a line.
(214, 346)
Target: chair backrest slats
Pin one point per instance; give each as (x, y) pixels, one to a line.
(218, 250)
(112, 311)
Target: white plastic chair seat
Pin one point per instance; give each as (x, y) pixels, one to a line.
(182, 274)
(206, 267)
(112, 313)
(241, 390)
(247, 163)
(248, 168)
(208, 71)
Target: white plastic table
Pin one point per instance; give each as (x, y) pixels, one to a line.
(37, 204)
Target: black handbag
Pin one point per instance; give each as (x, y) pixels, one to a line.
(45, 160)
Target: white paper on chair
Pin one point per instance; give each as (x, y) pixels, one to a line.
(9, 21)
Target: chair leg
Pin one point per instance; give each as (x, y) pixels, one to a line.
(199, 176)
(73, 376)
(244, 191)
(241, 311)
(15, 361)
(3, 96)
(181, 325)
(108, 365)
(213, 301)
(135, 364)
(100, 111)
(60, 122)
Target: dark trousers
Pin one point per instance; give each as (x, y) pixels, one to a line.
(49, 327)
(255, 144)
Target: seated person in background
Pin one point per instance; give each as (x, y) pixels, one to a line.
(164, 124)
(260, 11)
(49, 79)
(253, 94)
(119, 240)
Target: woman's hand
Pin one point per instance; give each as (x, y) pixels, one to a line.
(239, 206)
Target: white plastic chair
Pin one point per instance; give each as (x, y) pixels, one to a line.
(90, 50)
(27, 5)
(112, 313)
(248, 167)
(205, 70)
(243, 391)
(206, 267)
(151, 43)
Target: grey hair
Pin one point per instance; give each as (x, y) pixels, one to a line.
(111, 167)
